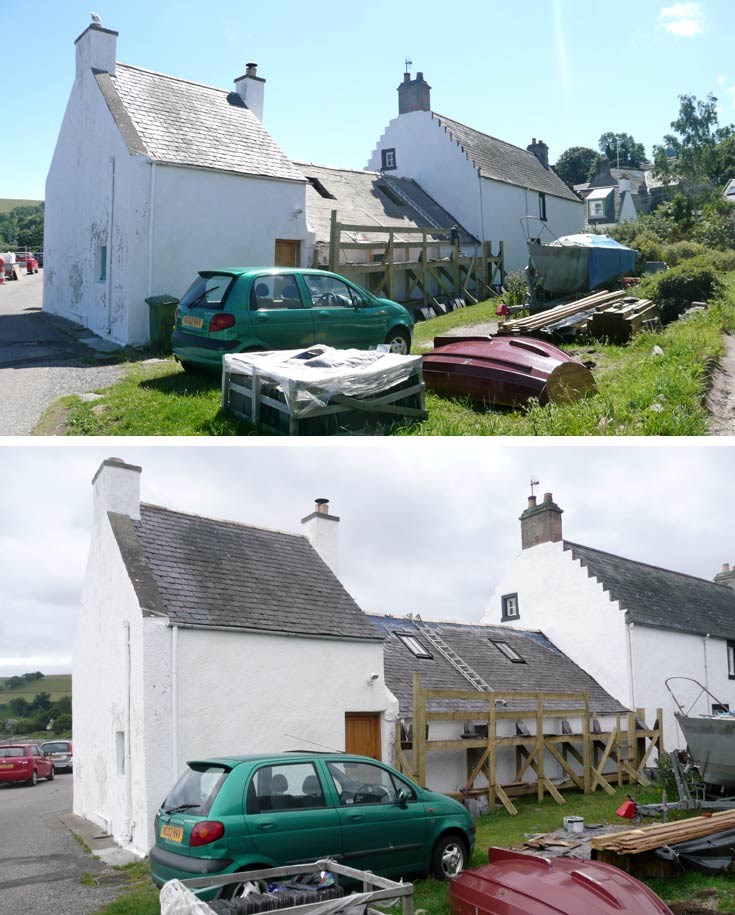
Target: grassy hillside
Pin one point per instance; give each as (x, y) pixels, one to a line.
(56, 685)
(6, 204)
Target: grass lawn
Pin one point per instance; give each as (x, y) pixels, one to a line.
(56, 685)
(638, 393)
(140, 897)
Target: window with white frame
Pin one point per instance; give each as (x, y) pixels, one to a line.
(389, 159)
(542, 206)
(414, 646)
(509, 606)
(508, 651)
(731, 660)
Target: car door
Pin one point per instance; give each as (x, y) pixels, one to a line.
(42, 763)
(279, 317)
(289, 816)
(382, 830)
(342, 316)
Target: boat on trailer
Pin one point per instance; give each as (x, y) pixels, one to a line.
(505, 371)
(710, 738)
(515, 883)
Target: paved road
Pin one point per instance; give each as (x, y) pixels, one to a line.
(41, 358)
(41, 864)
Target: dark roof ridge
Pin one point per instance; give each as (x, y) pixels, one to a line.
(569, 545)
(445, 117)
(339, 168)
(177, 79)
(254, 527)
(403, 619)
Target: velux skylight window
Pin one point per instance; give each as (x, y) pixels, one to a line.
(413, 645)
(508, 651)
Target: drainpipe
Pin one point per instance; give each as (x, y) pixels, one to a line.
(110, 228)
(127, 822)
(174, 703)
(631, 676)
(151, 208)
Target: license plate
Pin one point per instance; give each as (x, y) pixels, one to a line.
(191, 321)
(174, 833)
(6, 765)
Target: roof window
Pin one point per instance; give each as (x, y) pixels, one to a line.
(508, 651)
(414, 646)
(320, 189)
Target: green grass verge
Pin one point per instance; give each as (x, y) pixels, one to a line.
(140, 897)
(7, 204)
(638, 393)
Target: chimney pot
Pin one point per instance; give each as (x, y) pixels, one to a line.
(541, 523)
(322, 531)
(532, 501)
(547, 497)
(725, 566)
(414, 94)
(251, 88)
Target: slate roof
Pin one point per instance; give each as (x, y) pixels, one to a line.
(504, 162)
(203, 572)
(659, 597)
(176, 121)
(370, 198)
(546, 667)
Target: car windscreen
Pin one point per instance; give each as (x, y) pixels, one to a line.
(197, 788)
(207, 292)
(57, 746)
(12, 751)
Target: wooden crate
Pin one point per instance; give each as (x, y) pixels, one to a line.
(256, 397)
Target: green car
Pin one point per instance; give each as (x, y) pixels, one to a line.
(249, 812)
(250, 309)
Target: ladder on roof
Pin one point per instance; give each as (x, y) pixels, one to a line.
(454, 659)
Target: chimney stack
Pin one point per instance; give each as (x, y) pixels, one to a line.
(322, 531)
(251, 89)
(117, 489)
(414, 94)
(541, 151)
(726, 576)
(540, 523)
(96, 49)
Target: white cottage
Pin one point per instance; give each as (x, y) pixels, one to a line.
(487, 184)
(630, 625)
(153, 178)
(199, 638)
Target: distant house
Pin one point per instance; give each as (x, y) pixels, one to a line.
(199, 637)
(460, 656)
(630, 625)
(614, 195)
(489, 185)
(153, 178)
(729, 192)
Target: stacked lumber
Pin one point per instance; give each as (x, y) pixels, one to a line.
(636, 841)
(534, 323)
(620, 320)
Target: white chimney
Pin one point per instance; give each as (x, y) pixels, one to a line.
(96, 49)
(117, 488)
(321, 529)
(624, 185)
(251, 89)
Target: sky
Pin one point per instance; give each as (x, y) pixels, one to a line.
(426, 526)
(564, 71)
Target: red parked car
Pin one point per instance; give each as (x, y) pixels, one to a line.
(25, 762)
(26, 259)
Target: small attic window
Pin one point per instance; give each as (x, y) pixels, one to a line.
(414, 646)
(320, 189)
(390, 194)
(509, 606)
(508, 651)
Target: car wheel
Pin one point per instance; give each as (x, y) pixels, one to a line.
(33, 780)
(399, 341)
(52, 775)
(448, 857)
(191, 368)
(234, 890)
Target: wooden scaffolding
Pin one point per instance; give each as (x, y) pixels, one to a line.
(589, 758)
(422, 281)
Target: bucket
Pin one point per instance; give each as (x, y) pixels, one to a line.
(574, 824)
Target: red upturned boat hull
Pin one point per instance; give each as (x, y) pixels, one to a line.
(505, 371)
(514, 883)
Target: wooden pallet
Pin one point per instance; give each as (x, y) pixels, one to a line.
(637, 841)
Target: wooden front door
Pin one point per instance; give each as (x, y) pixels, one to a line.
(288, 253)
(362, 734)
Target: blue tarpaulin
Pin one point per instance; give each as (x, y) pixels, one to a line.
(578, 263)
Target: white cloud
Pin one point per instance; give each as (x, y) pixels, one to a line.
(682, 19)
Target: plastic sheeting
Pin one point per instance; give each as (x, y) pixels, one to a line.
(309, 378)
(578, 263)
(176, 899)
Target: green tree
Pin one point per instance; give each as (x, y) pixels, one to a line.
(62, 707)
(62, 724)
(699, 145)
(14, 682)
(20, 706)
(631, 154)
(577, 164)
(41, 702)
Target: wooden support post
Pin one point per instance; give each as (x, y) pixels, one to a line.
(419, 732)
(456, 270)
(586, 744)
(501, 264)
(540, 745)
(335, 233)
(492, 761)
(390, 265)
(618, 728)
(640, 743)
(660, 719)
(424, 270)
(630, 755)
